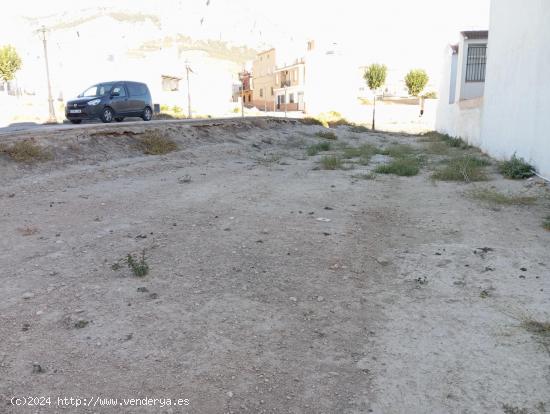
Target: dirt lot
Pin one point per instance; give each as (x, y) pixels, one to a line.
(274, 285)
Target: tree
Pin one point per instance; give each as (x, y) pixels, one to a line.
(375, 76)
(10, 62)
(416, 80)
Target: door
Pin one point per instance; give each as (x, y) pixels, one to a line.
(119, 99)
(136, 98)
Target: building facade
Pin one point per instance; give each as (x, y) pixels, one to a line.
(500, 100)
(263, 87)
(462, 87)
(289, 87)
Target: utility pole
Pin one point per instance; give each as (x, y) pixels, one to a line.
(50, 99)
(187, 70)
(242, 76)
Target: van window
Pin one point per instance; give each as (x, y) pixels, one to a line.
(120, 89)
(136, 89)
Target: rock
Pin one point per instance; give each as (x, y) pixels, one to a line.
(142, 289)
(28, 295)
(37, 368)
(320, 298)
(323, 219)
(185, 179)
(384, 261)
(293, 299)
(229, 394)
(153, 296)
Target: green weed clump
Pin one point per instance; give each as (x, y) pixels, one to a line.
(405, 167)
(516, 168)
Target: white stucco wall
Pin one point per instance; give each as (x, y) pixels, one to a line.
(516, 113)
(460, 119)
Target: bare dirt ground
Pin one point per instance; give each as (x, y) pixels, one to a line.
(411, 298)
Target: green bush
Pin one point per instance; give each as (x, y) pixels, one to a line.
(516, 168)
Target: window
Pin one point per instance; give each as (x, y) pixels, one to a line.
(475, 63)
(170, 84)
(272, 93)
(135, 89)
(261, 92)
(120, 89)
(291, 98)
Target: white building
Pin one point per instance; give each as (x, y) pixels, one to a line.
(508, 113)
(462, 86)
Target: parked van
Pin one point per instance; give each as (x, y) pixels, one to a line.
(111, 100)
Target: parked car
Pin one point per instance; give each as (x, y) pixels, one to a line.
(111, 100)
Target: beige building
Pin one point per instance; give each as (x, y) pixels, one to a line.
(263, 87)
(289, 89)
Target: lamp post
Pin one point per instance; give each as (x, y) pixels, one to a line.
(187, 70)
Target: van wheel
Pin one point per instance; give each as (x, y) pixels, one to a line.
(119, 118)
(147, 114)
(107, 115)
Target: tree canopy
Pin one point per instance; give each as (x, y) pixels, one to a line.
(10, 62)
(375, 75)
(416, 80)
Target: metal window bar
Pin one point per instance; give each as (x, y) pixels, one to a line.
(475, 64)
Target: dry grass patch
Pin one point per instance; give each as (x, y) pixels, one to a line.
(26, 151)
(317, 148)
(546, 223)
(365, 176)
(494, 197)
(326, 135)
(331, 162)
(465, 168)
(156, 144)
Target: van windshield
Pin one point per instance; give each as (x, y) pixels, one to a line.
(97, 90)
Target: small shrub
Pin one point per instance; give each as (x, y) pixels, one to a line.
(398, 151)
(541, 328)
(438, 148)
(494, 197)
(313, 121)
(156, 144)
(546, 223)
(236, 110)
(400, 166)
(331, 163)
(516, 168)
(339, 122)
(326, 135)
(26, 151)
(139, 267)
(430, 95)
(364, 153)
(317, 148)
(465, 168)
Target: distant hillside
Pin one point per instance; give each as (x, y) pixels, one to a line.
(125, 17)
(215, 48)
